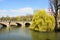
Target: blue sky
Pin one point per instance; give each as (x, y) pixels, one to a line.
(21, 7)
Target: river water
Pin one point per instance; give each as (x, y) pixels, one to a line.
(19, 33)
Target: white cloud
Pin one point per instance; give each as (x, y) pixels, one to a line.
(24, 10)
(3, 10)
(17, 12)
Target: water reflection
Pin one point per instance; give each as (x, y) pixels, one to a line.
(19, 33)
(15, 33)
(43, 36)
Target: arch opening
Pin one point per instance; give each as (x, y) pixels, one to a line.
(27, 24)
(19, 25)
(3, 25)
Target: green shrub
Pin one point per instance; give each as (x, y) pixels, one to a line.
(42, 21)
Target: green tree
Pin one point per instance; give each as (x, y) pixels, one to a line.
(42, 21)
(7, 18)
(17, 18)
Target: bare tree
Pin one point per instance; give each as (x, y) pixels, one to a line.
(54, 7)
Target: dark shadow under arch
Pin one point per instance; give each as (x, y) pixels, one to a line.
(13, 25)
(3, 25)
(19, 25)
(27, 24)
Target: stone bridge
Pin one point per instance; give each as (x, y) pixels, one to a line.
(16, 23)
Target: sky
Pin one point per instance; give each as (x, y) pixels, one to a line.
(21, 7)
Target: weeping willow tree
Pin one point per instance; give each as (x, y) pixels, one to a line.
(42, 21)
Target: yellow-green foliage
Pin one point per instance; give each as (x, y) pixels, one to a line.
(42, 21)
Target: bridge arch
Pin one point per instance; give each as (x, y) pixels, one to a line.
(3, 25)
(27, 24)
(19, 24)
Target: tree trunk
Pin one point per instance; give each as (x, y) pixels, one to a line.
(56, 14)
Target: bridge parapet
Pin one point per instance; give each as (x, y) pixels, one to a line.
(14, 23)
